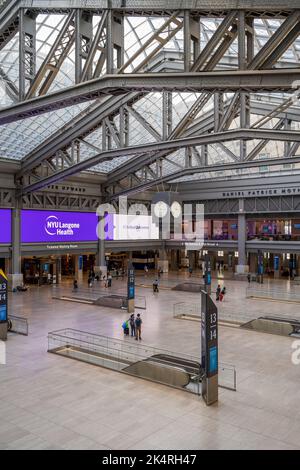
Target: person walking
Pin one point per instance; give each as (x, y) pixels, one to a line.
(75, 285)
(222, 294)
(132, 324)
(138, 327)
(218, 292)
(90, 281)
(146, 269)
(155, 286)
(190, 271)
(109, 280)
(249, 278)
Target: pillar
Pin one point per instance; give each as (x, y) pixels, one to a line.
(163, 262)
(7, 266)
(174, 265)
(58, 270)
(156, 261)
(253, 263)
(15, 277)
(191, 255)
(100, 258)
(242, 266)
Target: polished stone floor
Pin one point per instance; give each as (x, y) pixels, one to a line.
(52, 402)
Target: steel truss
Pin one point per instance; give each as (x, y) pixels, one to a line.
(103, 73)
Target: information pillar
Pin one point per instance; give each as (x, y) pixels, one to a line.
(207, 276)
(130, 288)
(260, 268)
(3, 306)
(209, 348)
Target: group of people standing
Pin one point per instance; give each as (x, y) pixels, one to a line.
(92, 277)
(134, 326)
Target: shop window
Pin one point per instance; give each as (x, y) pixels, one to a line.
(287, 227)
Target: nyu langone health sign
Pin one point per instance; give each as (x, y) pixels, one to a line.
(5, 226)
(48, 227)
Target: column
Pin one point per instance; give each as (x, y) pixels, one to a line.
(191, 255)
(7, 266)
(58, 270)
(174, 265)
(242, 266)
(253, 263)
(163, 262)
(156, 261)
(15, 277)
(100, 258)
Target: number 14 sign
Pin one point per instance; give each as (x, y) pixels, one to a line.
(3, 297)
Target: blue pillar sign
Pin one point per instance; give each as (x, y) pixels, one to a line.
(207, 276)
(3, 297)
(131, 283)
(130, 288)
(209, 348)
(3, 306)
(260, 268)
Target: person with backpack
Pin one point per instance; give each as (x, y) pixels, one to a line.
(138, 327)
(132, 324)
(125, 327)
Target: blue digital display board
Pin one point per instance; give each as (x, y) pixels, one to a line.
(213, 359)
(3, 313)
(3, 297)
(131, 283)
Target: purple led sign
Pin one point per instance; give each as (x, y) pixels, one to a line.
(5, 226)
(51, 227)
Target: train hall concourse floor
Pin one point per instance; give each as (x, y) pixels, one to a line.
(59, 403)
(149, 229)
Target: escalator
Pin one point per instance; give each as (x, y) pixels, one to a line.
(274, 325)
(169, 370)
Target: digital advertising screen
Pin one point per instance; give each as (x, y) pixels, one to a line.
(54, 226)
(5, 226)
(132, 227)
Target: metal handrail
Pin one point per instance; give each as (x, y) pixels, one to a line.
(15, 324)
(116, 340)
(137, 351)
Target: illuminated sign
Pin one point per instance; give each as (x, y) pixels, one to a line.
(52, 227)
(5, 226)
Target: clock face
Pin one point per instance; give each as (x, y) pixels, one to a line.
(176, 209)
(160, 209)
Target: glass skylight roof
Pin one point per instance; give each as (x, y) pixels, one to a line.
(20, 138)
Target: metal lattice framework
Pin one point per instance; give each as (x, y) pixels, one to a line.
(148, 95)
